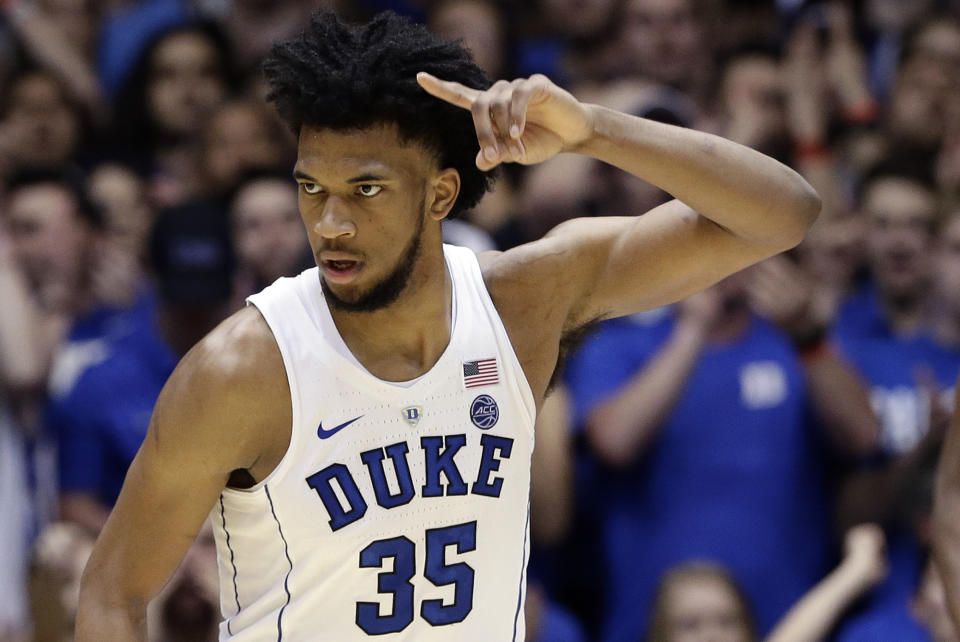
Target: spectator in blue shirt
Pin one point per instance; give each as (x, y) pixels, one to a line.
(884, 330)
(700, 416)
(102, 422)
(58, 241)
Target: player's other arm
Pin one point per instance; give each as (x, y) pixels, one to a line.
(946, 515)
(210, 419)
(735, 206)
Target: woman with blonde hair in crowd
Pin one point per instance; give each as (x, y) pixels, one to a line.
(700, 601)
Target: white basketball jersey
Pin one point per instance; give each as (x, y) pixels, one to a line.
(400, 510)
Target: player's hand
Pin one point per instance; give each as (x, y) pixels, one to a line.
(525, 121)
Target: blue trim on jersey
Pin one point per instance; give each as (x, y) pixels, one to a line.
(286, 552)
(516, 617)
(236, 593)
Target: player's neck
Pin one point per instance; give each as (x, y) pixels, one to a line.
(405, 339)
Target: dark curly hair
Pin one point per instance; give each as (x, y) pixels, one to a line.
(338, 76)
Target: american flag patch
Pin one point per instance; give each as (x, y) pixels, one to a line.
(482, 372)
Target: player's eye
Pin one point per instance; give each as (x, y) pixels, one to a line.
(310, 188)
(369, 190)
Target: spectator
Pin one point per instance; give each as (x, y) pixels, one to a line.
(884, 332)
(126, 28)
(27, 335)
(618, 193)
(917, 113)
(551, 506)
(888, 22)
(101, 423)
(188, 608)
(268, 233)
(480, 24)
(121, 195)
(240, 136)
(919, 612)
(252, 26)
(679, 487)
(751, 22)
(570, 41)
(41, 127)
(59, 556)
(922, 617)
(882, 328)
(863, 566)
(56, 236)
(548, 622)
(699, 601)
(60, 36)
(753, 100)
(52, 227)
(180, 78)
(666, 41)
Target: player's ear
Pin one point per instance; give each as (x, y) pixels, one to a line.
(443, 192)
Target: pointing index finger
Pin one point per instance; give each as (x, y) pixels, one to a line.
(452, 92)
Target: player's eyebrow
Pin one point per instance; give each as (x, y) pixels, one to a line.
(363, 178)
(366, 178)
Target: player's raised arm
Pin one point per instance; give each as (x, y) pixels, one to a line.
(225, 394)
(735, 206)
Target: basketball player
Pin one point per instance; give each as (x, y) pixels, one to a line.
(360, 436)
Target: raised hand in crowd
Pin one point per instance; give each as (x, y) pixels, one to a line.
(782, 292)
(884, 495)
(846, 66)
(62, 38)
(864, 566)
(27, 334)
(620, 428)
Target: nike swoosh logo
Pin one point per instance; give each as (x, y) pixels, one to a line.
(323, 434)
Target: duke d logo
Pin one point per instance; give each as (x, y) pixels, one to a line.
(412, 414)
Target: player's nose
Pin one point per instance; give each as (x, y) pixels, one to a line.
(335, 220)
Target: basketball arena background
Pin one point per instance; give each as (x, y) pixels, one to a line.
(681, 487)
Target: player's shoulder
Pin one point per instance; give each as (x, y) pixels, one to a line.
(535, 276)
(237, 359)
(544, 258)
(519, 267)
(229, 396)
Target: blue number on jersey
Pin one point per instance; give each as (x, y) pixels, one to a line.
(397, 582)
(460, 575)
(403, 552)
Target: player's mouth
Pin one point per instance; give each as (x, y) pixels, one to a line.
(339, 267)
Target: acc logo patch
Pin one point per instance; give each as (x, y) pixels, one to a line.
(484, 412)
(412, 414)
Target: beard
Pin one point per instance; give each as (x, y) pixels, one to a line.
(386, 291)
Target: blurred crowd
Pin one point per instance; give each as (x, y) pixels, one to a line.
(754, 462)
